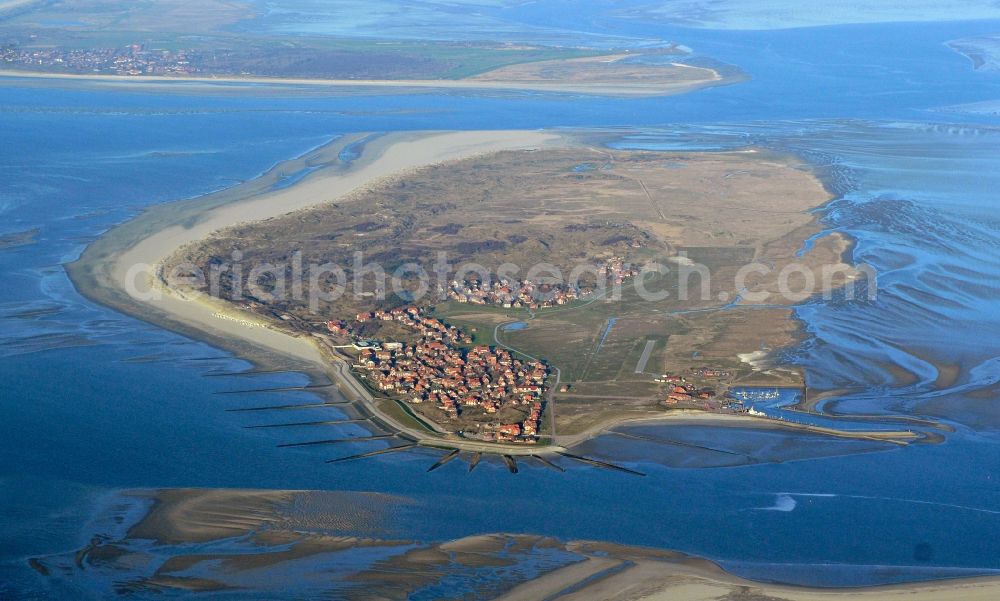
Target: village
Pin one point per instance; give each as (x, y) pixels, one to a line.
(487, 393)
(684, 394)
(134, 59)
(525, 294)
(683, 391)
(439, 368)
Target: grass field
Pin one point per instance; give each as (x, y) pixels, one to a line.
(213, 32)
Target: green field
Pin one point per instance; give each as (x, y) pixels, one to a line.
(589, 341)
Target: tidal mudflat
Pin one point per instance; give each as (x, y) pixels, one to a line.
(869, 107)
(241, 544)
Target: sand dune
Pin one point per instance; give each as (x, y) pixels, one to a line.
(130, 269)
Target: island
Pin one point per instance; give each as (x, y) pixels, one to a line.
(494, 367)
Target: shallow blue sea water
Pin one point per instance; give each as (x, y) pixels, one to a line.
(93, 401)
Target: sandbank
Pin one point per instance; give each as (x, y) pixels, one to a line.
(215, 539)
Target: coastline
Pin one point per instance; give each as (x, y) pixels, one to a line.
(618, 89)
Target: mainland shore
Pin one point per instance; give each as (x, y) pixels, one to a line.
(696, 78)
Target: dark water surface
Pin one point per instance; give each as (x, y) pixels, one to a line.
(93, 401)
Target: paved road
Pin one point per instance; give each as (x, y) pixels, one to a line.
(640, 367)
